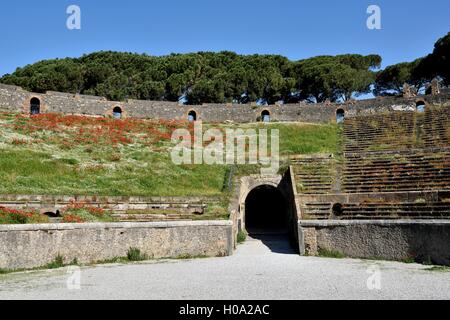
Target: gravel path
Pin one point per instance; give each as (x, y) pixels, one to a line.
(260, 269)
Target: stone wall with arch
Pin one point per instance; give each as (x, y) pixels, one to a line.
(421, 105)
(284, 184)
(15, 99)
(123, 111)
(340, 115)
(193, 115)
(28, 105)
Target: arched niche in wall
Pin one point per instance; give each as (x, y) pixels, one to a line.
(117, 113)
(340, 116)
(337, 210)
(192, 116)
(35, 106)
(265, 116)
(420, 106)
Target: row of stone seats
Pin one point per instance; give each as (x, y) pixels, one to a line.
(396, 172)
(394, 130)
(315, 174)
(149, 217)
(160, 212)
(395, 154)
(436, 127)
(398, 131)
(396, 210)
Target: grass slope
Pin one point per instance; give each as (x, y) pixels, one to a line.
(55, 154)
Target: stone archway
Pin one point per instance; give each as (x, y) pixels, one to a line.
(117, 113)
(421, 106)
(265, 116)
(340, 116)
(35, 106)
(266, 210)
(192, 116)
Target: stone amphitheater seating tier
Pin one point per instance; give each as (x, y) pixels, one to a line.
(436, 127)
(398, 210)
(134, 210)
(160, 212)
(391, 153)
(400, 172)
(398, 131)
(315, 175)
(373, 133)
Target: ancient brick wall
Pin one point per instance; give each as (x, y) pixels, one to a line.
(15, 99)
(426, 241)
(31, 246)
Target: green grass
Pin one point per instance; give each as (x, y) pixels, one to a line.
(216, 211)
(30, 172)
(409, 260)
(56, 264)
(190, 257)
(11, 216)
(326, 253)
(85, 216)
(439, 269)
(301, 138)
(308, 139)
(134, 254)
(47, 166)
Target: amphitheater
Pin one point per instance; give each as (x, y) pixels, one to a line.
(384, 195)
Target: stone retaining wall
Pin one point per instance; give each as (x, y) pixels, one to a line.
(15, 99)
(30, 246)
(46, 203)
(373, 197)
(421, 240)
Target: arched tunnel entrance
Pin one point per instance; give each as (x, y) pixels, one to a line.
(267, 219)
(266, 211)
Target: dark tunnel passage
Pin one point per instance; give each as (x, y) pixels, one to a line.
(266, 211)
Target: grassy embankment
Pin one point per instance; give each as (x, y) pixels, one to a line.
(73, 155)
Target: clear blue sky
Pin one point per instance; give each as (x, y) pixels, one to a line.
(36, 30)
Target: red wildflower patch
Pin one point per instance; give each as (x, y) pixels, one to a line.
(98, 212)
(13, 216)
(73, 205)
(97, 130)
(71, 218)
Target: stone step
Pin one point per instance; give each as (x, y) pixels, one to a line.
(400, 181)
(385, 176)
(152, 217)
(310, 189)
(397, 168)
(388, 189)
(396, 210)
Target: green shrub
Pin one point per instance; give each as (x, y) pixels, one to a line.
(439, 269)
(410, 259)
(70, 161)
(57, 263)
(327, 253)
(241, 236)
(134, 254)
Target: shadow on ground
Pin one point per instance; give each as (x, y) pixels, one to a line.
(275, 242)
